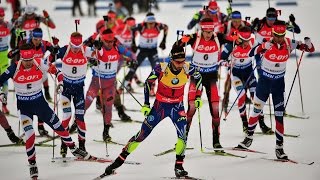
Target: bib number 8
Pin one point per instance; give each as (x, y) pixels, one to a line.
(74, 70)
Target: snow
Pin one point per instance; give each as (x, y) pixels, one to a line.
(14, 161)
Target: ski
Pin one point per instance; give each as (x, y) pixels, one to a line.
(183, 177)
(94, 159)
(286, 135)
(291, 116)
(222, 153)
(169, 151)
(44, 136)
(104, 175)
(132, 110)
(289, 161)
(11, 115)
(109, 142)
(132, 121)
(238, 149)
(48, 140)
(17, 145)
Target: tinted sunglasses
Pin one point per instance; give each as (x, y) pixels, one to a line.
(180, 62)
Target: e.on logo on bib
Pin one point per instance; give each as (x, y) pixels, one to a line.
(29, 78)
(240, 55)
(206, 48)
(275, 57)
(75, 61)
(112, 57)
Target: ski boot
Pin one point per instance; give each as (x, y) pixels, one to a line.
(80, 153)
(63, 149)
(13, 138)
(82, 144)
(280, 153)
(246, 143)
(117, 163)
(122, 115)
(264, 128)
(216, 143)
(42, 131)
(5, 110)
(33, 169)
(105, 135)
(178, 168)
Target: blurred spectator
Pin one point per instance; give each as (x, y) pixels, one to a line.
(121, 11)
(92, 7)
(15, 5)
(76, 4)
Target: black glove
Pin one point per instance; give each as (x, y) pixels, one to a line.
(255, 24)
(13, 53)
(97, 44)
(134, 47)
(162, 45)
(93, 61)
(292, 18)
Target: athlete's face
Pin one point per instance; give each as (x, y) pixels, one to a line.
(178, 63)
(236, 22)
(207, 35)
(278, 38)
(107, 43)
(27, 64)
(151, 25)
(36, 41)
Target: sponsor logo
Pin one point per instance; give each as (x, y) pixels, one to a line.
(65, 103)
(206, 48)
(28, 78)
(75, 60)
(278, 57)
(150, 118)
(175, 81)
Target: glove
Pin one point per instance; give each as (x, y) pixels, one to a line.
(307, 41)
(13, 53)
(59, 88)
(223, 63)
(55, 40)
(266, 45)
(185, 39)
(229, 10)
(45, 14)
(134, 47)
(97, 44)
(292, 18)
(162, 45)
(145, 109)
(93, 61)
(198, 103)
(255, 23)
(3, 97)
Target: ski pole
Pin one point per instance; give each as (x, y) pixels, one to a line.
(270, 112)
(200, 134)
(102, 103)
(55, 107)
(130, 93)
(243, 87)
(294, 78)
(299, 80)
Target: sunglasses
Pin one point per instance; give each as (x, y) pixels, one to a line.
(271, 18)
(279, 35)
(213, 11)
